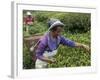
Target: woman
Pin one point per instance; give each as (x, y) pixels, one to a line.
(28, 21)
(48, 44)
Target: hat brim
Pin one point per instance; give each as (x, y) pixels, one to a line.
(55, 25)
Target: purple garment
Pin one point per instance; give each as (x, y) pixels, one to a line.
(48, 44)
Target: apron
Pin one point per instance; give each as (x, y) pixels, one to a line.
(42, 64)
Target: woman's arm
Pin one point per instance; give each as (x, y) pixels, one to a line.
(67, 42)
(40, 51)
(71, 43)
(82, 46)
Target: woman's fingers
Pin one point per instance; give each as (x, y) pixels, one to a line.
(87, 48)
(52, 60)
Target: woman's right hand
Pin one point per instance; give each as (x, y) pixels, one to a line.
(53, 60)
(46, 59)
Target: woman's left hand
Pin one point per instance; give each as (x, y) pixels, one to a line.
(83, 46)
(86, 48)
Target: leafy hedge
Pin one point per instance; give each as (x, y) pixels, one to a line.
(74, 22)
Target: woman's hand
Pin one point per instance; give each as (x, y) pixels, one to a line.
(53, 60)
(46, 59)
(86, 48)
(83, 46)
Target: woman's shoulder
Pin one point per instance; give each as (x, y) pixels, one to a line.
(44, 38)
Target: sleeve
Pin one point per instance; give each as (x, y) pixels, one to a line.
(67, 42)
(41, 48)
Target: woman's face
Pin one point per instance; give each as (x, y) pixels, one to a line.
(58, 31)
(29, 16)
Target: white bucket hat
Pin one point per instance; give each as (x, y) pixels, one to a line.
(54, 22)
(28, 13)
